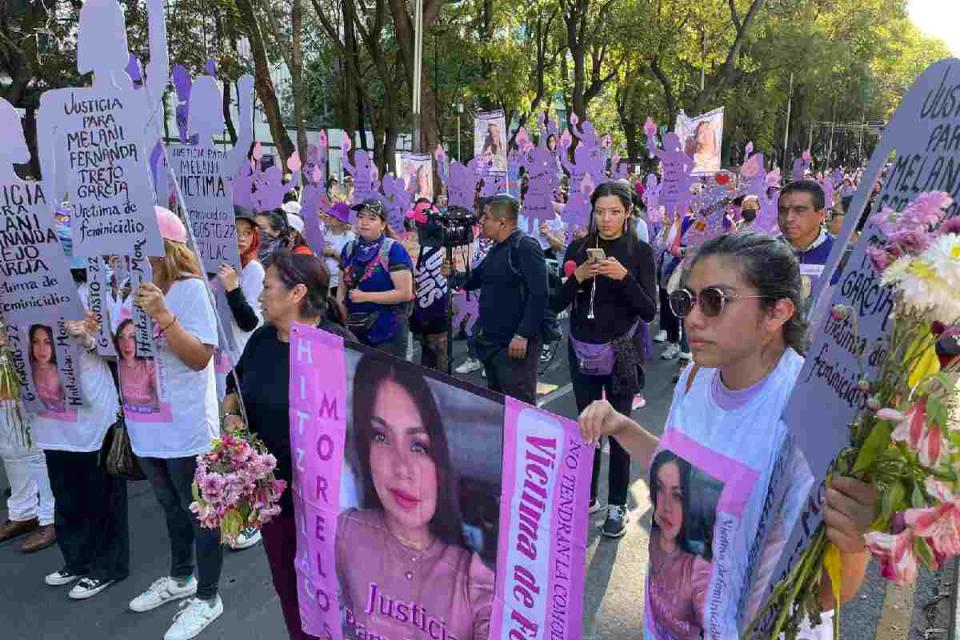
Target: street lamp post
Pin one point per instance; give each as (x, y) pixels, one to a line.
(459, 113)
(417, 64)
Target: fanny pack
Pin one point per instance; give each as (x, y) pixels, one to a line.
(597, 359)
(361, 323)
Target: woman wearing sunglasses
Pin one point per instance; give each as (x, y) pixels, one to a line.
(740, 302)
(611, 283)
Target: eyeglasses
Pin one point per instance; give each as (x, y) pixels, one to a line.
(712, 301)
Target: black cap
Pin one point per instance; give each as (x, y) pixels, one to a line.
(373, 205)
(242, 213)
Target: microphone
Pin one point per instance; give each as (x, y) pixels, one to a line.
(569, 267)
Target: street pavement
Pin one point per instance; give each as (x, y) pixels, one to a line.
(613, 599)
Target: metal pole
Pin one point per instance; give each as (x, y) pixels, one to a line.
(863, 125)
(786, 128)
(417, 72)
(833, 127)
(459, 113)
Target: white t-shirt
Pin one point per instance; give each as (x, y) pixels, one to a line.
(643, 231)
(192, 395)
(731, 445)
(251, 282)
(84, 430)
(338, 241)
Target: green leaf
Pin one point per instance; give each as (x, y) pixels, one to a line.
(876, 442)
(936, 412)
(917, 499)
(892, 499)
(924, 552)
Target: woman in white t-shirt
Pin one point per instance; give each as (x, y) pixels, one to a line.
(740, 303)
(244, 289)
(185, 328)
(338, 234)
(90, 506)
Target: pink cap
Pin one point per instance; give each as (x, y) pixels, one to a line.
(171, 227)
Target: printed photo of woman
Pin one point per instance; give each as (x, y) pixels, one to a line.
(138, 375)
(702, 145)
(679, 565)
(402, 561)
(43, 364)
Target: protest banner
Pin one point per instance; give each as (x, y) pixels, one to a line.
(462, 515)
(92, 141)
(99, 300)
(676, 169)
(416, 170)
(702, 137)
(848, 346)
(44, 357)
(35, 281)
(489, 139)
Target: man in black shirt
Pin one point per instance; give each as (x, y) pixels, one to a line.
(513, 300)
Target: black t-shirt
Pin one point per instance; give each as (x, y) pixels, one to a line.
(264, 374)
(616, 304)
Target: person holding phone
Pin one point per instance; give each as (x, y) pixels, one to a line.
(611, 285)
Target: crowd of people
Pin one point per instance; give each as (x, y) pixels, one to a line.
(734, 305)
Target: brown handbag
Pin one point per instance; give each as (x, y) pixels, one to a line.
(117, 455)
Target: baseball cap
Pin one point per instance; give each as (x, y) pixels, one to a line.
(295, 222)
(373, 205)
(171, 227)
(340, 211)
(242, 213)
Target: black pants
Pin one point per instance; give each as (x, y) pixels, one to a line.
(433, 350)
(668, 322)
(515, 377)
(172, 479)
(90, 515)
(586, 389)
(397, 346)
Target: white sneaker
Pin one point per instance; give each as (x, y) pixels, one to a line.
(194, 616)
(661, 336)
(671, 351)
(60, 578)
(162, 591)
(469, 366)
(88, 587)
(247, 538)
(595, 506)
(685, 356)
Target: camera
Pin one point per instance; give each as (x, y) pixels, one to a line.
(448, 228)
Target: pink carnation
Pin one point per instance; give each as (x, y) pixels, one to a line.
(212, 486)
(878, 257)
(950, 226)
(925, 211)
(912, 241)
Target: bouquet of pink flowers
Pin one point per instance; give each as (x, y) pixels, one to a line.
(907, 441)
(234, 487)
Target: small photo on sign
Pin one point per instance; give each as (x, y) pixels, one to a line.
(684, 502)
(43, 367)
(416, 543)
(138, 374)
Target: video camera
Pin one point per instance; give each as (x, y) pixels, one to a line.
(448, 228)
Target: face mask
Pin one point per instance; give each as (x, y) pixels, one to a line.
(749, 214)
(268, 246)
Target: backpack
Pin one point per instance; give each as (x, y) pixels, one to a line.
(404, 309)
(549, 326)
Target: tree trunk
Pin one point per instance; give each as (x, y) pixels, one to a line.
(296, 75)
(227, 117)
(262, 81)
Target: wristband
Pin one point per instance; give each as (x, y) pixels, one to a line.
(169, 324)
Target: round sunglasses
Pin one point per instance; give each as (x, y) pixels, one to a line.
(712, 301)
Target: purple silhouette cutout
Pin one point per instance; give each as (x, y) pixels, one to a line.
(366, 182)
(801, 165)
(466, 309)
(541, 167)
(676, 168)
(314, 196)
(397, 200)
(461, 185)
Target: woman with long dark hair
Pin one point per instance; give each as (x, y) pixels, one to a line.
(612, 288)
(740, 299)
(296, 289)
(409, 530)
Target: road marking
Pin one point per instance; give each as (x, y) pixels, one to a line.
(894, 622)
(555, 394)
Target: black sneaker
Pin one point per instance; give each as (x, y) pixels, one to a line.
(616, 523)
(88, 587)
(61, 578)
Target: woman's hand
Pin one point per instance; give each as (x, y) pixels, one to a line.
(612, 268)
(587, 270)
(446, 268)
(358, 296)
(150, 299)
(228, 277)
(598, 419)
(851, 508)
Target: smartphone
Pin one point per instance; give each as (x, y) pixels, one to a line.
(596, 255)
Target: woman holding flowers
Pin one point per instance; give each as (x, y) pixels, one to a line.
(740, 302)
(178, 303)
(296, 289)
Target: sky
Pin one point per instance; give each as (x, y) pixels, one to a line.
(939, 18)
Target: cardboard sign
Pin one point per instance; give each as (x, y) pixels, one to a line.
(45, 358)
(826, 397)
(489, 139)
(483, 535)
(93, 141)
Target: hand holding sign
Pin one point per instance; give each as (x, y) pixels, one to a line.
(150, 299)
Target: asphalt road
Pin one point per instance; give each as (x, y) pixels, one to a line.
(613, 598)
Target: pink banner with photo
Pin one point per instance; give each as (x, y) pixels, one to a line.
(541, 561)
(428, 508)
